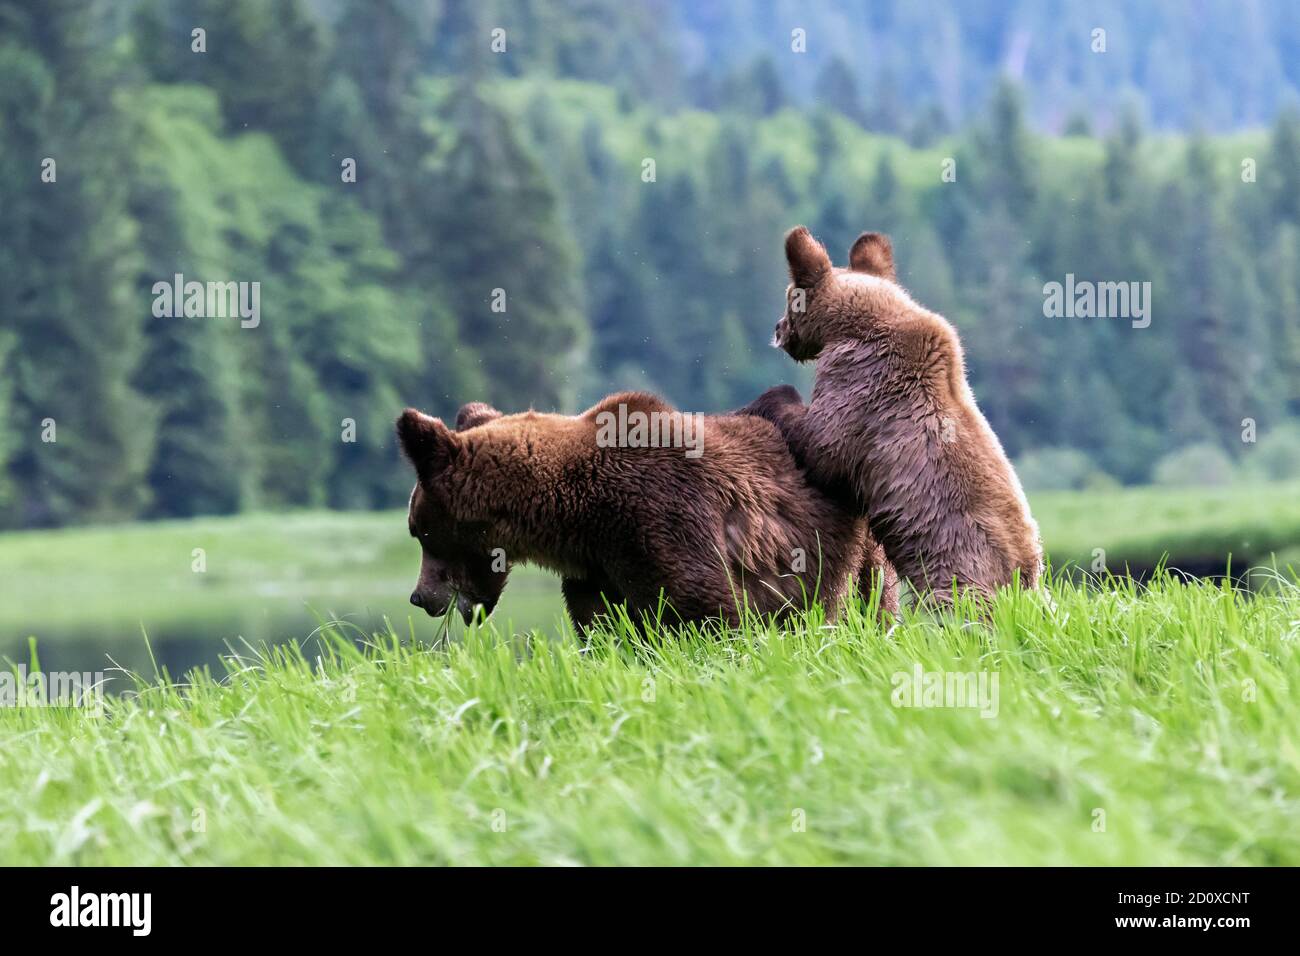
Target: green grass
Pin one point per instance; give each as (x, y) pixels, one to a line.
(1171, 710)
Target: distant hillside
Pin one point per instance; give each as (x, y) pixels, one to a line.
(1217, 64)
(1212, 64)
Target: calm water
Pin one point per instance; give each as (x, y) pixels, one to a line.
(177, 646)
(180, 642)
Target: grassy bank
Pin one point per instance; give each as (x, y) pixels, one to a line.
(1195, 527)
(1130, 726)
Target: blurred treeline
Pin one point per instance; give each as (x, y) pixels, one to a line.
(526, 171)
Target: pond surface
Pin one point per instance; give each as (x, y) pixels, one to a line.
(191, 634)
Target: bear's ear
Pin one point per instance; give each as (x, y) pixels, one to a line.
(807, 258)
(475, 414)
(427, 443)
(873, 254)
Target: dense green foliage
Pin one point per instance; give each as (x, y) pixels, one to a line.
(1218, 63)
(503, 239)
(1131, 727)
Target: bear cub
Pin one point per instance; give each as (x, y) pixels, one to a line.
(893, 424)
(664, 534)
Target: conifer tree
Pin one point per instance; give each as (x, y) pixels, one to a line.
(67, 294)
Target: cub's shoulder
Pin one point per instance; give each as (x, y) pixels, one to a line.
(924, 339)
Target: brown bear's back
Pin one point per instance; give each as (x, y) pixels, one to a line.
(739, 515)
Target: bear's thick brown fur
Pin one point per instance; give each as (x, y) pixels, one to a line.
(736, 525)
(893, 422)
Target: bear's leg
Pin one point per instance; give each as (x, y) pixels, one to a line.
(876, 566)
(585, 598)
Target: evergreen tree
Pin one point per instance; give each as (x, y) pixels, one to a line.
(380, 46)
(9, 436)
(509, 266)
(837, 89)
(67, 280)
(755, 91)
(999, 325)
(364, 351)
(930, 125)
(1006, 163)
(680, 296)
(373, 113)
(1282, 283)
(1214, 339)
(887, 214)
(198, 465)
(886, 113)
(266, 59)
(1282, 176)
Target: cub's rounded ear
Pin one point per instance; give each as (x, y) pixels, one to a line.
(475, 414)
(807, 258)
(873, 254)
(427, 443)
(772, 403)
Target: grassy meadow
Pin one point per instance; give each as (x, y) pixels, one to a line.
(1132, 726)
(1130, 723)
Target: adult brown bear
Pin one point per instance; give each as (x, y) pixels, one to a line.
(691, 537)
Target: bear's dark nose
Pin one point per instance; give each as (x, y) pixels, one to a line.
(415, 599)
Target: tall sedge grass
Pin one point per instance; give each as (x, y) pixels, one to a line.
(1135, 725)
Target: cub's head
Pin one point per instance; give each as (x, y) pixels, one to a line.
(458, 564)
(824, 304)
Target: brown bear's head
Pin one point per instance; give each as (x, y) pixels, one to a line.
(823, 303)
(458, 565)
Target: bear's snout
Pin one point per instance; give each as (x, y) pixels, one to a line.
(432, 599)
